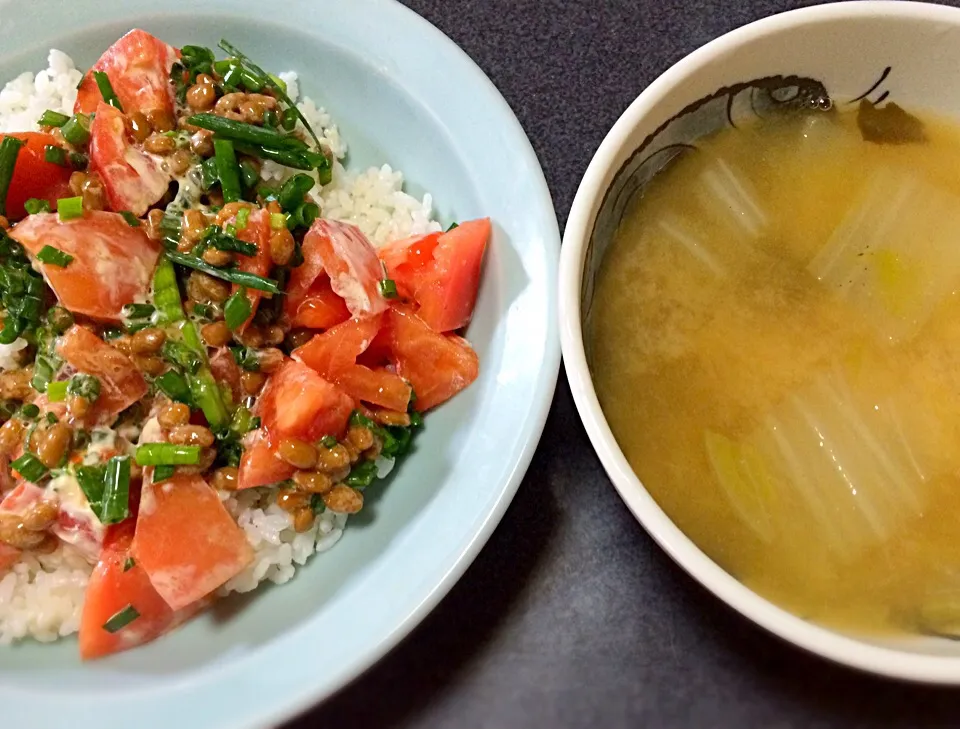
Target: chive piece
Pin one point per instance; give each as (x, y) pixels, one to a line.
(203, 387)
(137, 311)
(197, 59)
(306, 214)
(270, 119)
(243, 217)
(29, 411)
(162, 473)
(131, 219)
(293, 191)
(328, 441)
(173, 385)
(9, 149)
(237, 309)
(362, 474)
(90, 479)
(317, 504)
(121, 619)
(116, 491)
(54, 257)
(69, 208)
(129, 563)
(55, 155)
(246, 358)
(227, 170)
(226, 241)
(57, 391)
(288, 119)
(166, 294)
(233, 76)
(237, 131)
(51, 118)
(43, 371)
(77, 130)
(85, 386)
(205, 311)
(233, 275)
(182, 356)
(388, 288)
(29, 467)
(297, 159)
(34, 206)
(208, 173)
(453, 226)
(167, 454)
(416, 420)
(106, 90)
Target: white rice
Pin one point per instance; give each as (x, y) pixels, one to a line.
(42, 597)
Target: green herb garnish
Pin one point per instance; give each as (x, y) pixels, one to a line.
(121, 619)
(54, 257)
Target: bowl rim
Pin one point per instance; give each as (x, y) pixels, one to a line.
(822, 641)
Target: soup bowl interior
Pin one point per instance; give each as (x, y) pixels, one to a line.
(404, 95)
(898, 51)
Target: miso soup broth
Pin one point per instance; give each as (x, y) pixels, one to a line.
(775, 342)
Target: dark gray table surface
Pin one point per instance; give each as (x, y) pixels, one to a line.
(571, 616)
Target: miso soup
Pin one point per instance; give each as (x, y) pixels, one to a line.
(775, 342)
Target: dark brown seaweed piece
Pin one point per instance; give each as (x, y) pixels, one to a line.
(889, 124)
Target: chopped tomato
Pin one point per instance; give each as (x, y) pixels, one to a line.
(22, 498)
(186, 541)
(121, 384)
(437, 365)
(348, 258)
(440, 272)
(33, 176)
(8, 557)
(299, 403)
(131, 179)
(322, 308)
(334, 354)
(225, 369)
(257, 231)
(112, 262)
(261, 466)
(138, 66)
(117, 582)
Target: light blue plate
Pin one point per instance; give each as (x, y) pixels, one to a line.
(402, 94)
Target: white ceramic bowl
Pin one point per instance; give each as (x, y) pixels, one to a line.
(910, 51)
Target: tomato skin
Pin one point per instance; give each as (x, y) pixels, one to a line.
(342, 252)
(186, 541)
(131, 179)
(257, 232)
(113, 587)
(334, 354)
(322, 308)
(225, 369)
(297, 402)
(113, 262)
(440, 272)
(437, 365)
(33, 176)
(261, 466)
(138, 66)
(121, 384)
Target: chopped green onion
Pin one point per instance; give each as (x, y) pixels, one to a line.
(55, 155)
(243, 216)
(203, 387)
(227, 170)
(388, 288)
(173, 385)
(293, 191)
(85, 386)
(9, 149)
(51, 118)
(246, 358)
(221, 67)
(106, 90)
(54, 256)
(69, 208)
(34, 206)
(233, 275)
(317, 504)
(278, 82)
(278, 221)
(297, 159)
(167, 454)
(233, 76)
(116, 491)
(43, 371)
(416, 420)
(197, 59)
(204, 311)
(91, 480)
(249, 174)
(121, 619)
(29, 411)
(30, 467)
(328, 441)
(131, 219)
(57, 391)
(138, 311)
(77, 130)
(208, 173)
(362, 474)
(129, 563)
(237, 131)
(270, 119)
(452, 227)
(288, 119)
(181, 355)
(237, 309)
(306, 214)
(163, 472)
(166, 294)
(226, 241)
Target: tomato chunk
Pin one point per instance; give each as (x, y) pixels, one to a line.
(116, 584)
(112, 262)
(121, 384)
(348, 258)
(437, 365)
(138, 66)
(334, 354)
(8, 557)
(322, 308)
(299, 403)
(440, 272)
(261, 466)
(131, 179)
(33, 176)
(186, 541)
